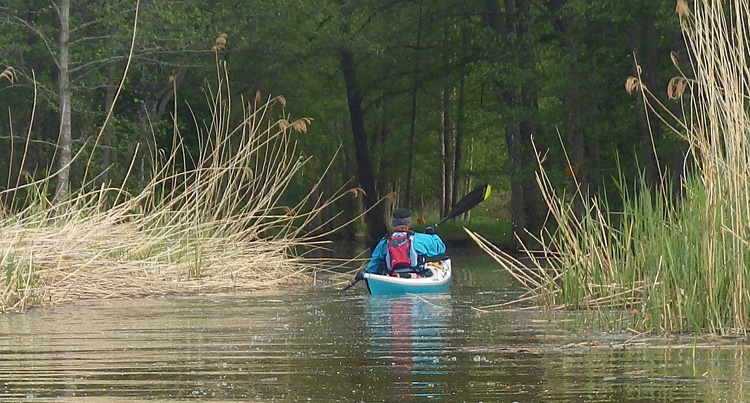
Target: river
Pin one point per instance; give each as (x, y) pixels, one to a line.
(318, 344)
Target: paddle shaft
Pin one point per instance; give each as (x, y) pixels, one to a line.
(351, 284)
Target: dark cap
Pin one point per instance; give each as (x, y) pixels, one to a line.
(401, 217)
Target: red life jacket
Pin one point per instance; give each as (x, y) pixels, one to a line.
(400, 253)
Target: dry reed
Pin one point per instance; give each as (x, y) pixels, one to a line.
(218, 226)
(678, 263)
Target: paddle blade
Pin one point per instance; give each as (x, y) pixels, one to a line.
(468, 202)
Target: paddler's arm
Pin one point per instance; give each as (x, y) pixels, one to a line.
(378, 258)
(428, 245)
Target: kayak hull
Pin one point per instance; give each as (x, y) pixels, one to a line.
(440, 281)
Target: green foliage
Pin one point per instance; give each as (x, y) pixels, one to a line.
(291, 47)
(498, 231)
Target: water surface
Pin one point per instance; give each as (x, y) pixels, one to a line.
(321, 345)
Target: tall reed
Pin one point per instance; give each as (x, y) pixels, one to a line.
(678, 263)
(218, 225)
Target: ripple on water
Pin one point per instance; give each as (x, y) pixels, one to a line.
(326, 346)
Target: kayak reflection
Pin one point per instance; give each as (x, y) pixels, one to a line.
(407, 339)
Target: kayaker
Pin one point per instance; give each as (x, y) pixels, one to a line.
(403, 251)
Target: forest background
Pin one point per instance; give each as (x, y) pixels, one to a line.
(419, 100)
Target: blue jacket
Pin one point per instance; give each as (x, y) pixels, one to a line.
(425, 246)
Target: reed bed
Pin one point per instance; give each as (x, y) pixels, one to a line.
(679, 263)
(208, 224)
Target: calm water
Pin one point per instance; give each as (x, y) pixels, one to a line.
(321, 345)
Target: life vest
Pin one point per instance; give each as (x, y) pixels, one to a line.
(400, 253)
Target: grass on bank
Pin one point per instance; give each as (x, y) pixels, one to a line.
(217, 226)
(490, 218)
(678, 263)
(496, 231)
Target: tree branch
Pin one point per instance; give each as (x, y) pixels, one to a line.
(18, 21)
(57, 8)
(39, 85)
(98, 20)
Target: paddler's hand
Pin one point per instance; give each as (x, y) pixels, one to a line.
(429, 230)
(359, 276)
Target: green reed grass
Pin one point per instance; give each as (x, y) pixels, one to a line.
(678, 263)
(216, 227)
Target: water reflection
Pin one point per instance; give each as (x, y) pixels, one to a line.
(407, 335)
(325, 346)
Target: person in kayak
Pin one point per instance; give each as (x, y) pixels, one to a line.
(403, 251)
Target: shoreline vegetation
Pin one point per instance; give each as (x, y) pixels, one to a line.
(210, 224)
(678, 262)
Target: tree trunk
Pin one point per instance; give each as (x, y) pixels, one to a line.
(384, 183)
(374, 216)
(534, 205)
(447, 151)
(106, 147)
(575, 146)
(458, 159)
(412, 131)
(109, 99)
(65, 140)
(527, 208)
(517, 188)
(593, 143)
(575, 142)
(469, 181)
(446, 134)
(443, 157)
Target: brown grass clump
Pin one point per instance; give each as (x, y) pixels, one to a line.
(218, 226)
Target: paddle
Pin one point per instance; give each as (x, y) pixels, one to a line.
(467, 203)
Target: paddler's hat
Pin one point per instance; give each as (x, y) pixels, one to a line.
(401, 217)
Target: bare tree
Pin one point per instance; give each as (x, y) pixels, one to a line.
(65, 140)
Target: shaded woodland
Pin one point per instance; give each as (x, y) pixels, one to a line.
(418, 100)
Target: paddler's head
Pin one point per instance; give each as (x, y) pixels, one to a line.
(401, 220)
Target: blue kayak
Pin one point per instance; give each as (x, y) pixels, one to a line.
(440, 281)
